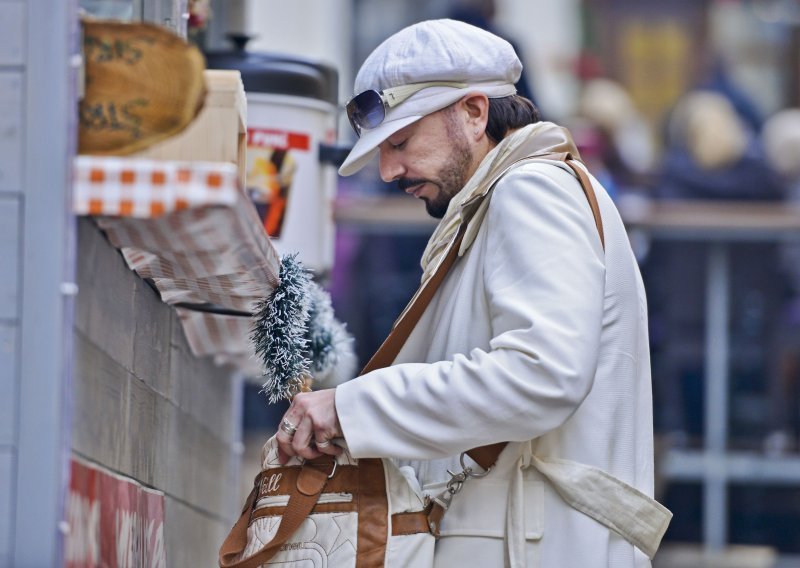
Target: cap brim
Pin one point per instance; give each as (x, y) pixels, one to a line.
(418, 105)
(367, 146)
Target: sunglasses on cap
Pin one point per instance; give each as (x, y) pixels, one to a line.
(368, 109)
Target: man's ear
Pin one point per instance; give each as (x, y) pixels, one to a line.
(476, 107)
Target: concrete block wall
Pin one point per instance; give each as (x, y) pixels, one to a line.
(145, 407)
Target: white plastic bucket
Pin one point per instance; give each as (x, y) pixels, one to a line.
(292, 189)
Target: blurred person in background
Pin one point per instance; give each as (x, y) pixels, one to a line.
(781, 138)
(715, 76)
(624, 141)
(711, 154)
(537, 336)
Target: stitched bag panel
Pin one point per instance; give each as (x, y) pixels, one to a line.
(327, 539)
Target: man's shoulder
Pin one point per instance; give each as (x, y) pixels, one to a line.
(546, 188)
(532, 176)
(536, 169)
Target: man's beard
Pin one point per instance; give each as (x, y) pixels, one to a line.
(451, 178)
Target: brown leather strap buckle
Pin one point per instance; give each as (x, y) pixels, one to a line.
(435, 513)
(321, 461)
(313, 477)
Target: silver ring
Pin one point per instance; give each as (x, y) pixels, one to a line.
(323, 444)
(288, 427)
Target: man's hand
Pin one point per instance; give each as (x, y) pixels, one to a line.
(314, 416)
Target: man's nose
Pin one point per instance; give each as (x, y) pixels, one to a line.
(390, 167)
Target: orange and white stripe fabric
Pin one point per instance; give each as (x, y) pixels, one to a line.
(132, 187)
(190, 229)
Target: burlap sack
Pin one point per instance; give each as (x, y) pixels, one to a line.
(143, 84)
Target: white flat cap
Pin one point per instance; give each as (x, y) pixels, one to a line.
(431, 51)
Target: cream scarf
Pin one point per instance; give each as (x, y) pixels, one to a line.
(530, 141)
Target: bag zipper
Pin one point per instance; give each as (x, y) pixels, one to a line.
(283, 500)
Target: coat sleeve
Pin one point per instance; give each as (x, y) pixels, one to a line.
(543, 273)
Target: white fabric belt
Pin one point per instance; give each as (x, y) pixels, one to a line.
(636, 517)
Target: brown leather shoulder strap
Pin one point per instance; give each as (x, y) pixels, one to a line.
(236, 541)
(486, 456)
(391, 346)
(586, 186)
(588, 190)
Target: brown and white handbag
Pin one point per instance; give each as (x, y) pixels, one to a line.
(330, 512)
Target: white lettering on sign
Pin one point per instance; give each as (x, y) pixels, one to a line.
(113, 521)
(82, 545)
(270, 138)
(278, 139)
(159, 555)
(139, 546)
(129, 547)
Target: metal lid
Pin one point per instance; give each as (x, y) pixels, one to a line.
(277, 73)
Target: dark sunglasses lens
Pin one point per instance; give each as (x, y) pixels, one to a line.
(365, 111)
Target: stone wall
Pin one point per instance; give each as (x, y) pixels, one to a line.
(145, 407)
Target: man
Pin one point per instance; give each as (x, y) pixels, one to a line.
(537, 336)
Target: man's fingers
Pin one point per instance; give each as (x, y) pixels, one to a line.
(283, 457)
(325, 444)
(287, 428)
(331, 450)
(302, 440)
(309, 426)
(284, 446)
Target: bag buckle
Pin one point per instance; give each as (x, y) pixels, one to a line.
(317, 463)
(333, 471)
(456, 482)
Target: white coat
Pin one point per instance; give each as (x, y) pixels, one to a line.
(537, 336)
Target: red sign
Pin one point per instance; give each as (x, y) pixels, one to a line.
(114, 521)
(277, 139)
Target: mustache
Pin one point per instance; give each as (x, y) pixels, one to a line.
(405, 183)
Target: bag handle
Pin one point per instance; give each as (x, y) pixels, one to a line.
(304, 496)
(387, 352)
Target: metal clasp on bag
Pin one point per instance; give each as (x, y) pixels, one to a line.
(333, 469)
(456, 482)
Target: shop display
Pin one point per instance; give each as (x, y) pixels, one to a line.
(143, 84)
(291, 123)
(218, 132)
